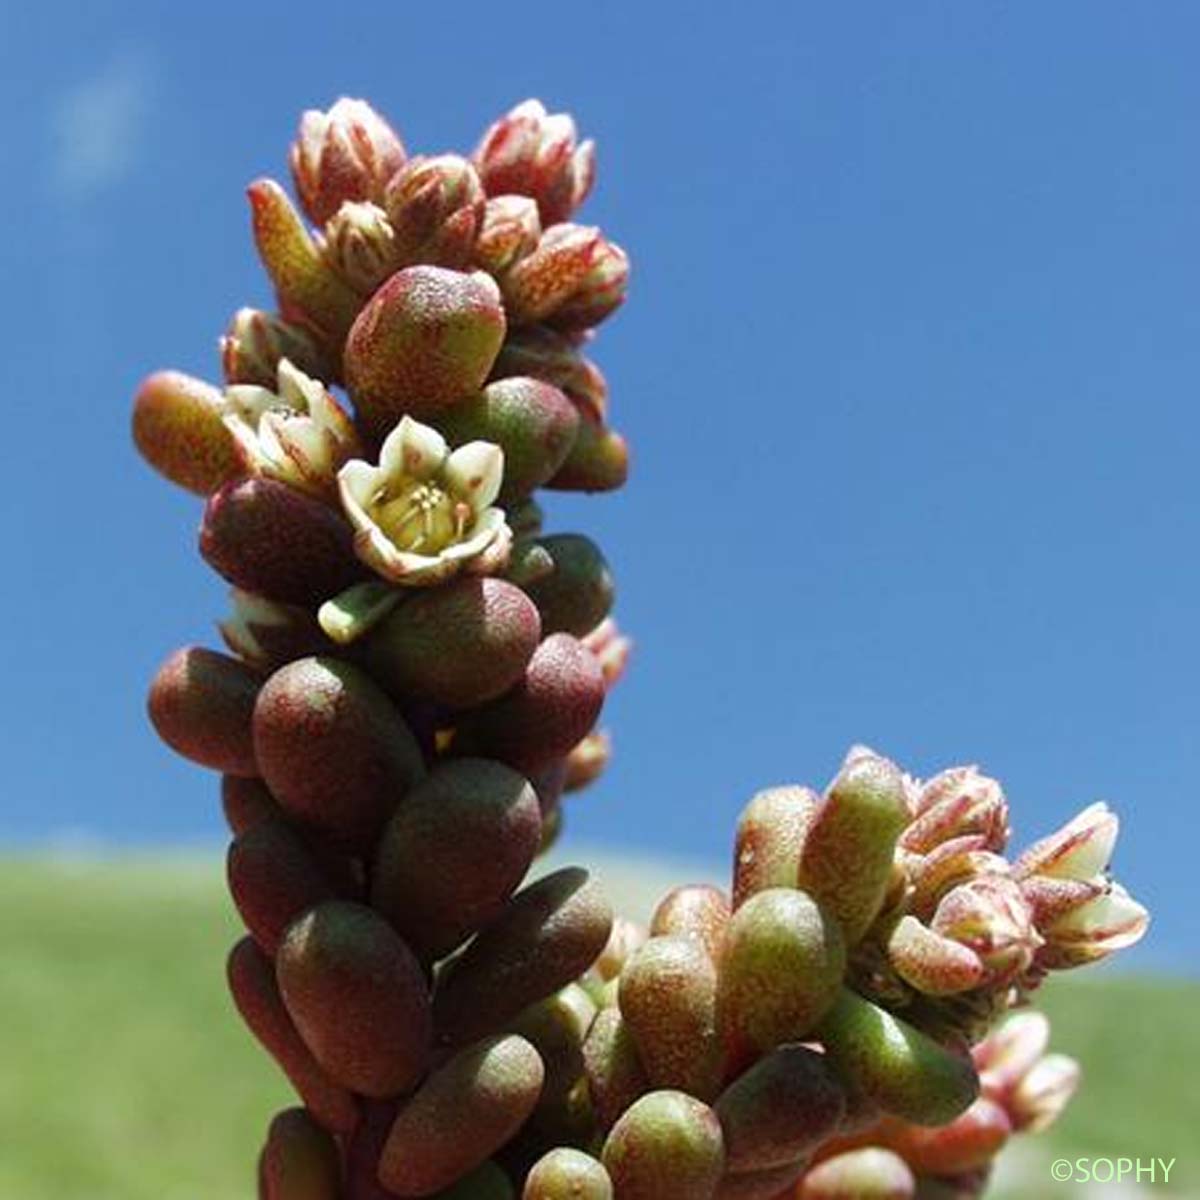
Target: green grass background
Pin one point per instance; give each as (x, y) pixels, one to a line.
(125, 1075)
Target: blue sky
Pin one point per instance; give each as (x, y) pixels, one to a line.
(910, 370)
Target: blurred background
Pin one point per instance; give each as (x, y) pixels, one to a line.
(910, 373)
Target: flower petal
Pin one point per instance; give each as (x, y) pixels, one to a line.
(474, 473)
(412, 450)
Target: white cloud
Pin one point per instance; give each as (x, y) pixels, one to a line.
(98, 124)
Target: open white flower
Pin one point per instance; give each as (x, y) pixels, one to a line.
(424, 513)
(297, 433)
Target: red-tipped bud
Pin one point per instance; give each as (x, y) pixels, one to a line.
(1043, 1092)
(436, 207)
(510, 230)
(957, 861)
(587, 761)
(358, 244)
(539, 285)
(612, 650)
(1009, 1052)
(1080, 850)
(530, 152)
(255, 343)
(958, 802)
(347, 153)
(990, 917)
(179, 430)
(1093, 930)
(934, 965)
(599, 293)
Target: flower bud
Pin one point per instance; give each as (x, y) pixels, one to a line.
(549, 934)
(539, 284)
(1042, 1093)
(296, 433)
(301, 1160)
(781, 969)
(959, 860)
(201, 704)
(358, 244)
(178, 430)
(265, 634)
(464, 1111)
(933, 964)
(904, 1071)
(454, 852)
(425, 340)
(698, 911)
(599, 293)
(532, 153)
(436, 207)
(770, 834)
(1080, 850)
(347, 153)
(1008, 1053)
(566, 1174)
(871, 1173)
(306, 286)
(557, 1027)
(256, 341)
(510, 230)
(666, 1146)
(1093, 930)
(779, 1110)
(553, 357)
(587, 760)
(668, 996)
(611, 649)
(990, 917)
(958, 802)
(846, 860)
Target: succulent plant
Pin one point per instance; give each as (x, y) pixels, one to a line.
(413, 686)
